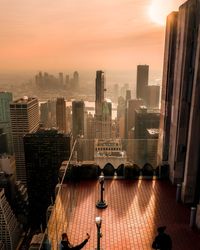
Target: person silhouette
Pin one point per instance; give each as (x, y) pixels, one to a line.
(66, 245)
(162, 241)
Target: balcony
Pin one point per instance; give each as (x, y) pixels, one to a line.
(139, 198)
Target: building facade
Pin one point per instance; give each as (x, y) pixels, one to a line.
(9, 227)
(44, 152)
(24, 119)
(5, 122)
(61, 121)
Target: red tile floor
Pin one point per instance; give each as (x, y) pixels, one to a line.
(135, 209)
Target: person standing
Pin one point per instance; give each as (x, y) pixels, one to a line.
(162, 241)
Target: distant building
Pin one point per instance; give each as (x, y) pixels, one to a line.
(75, 80)
(142, 81)
(78, 113)
(109, 151)
(103, 109)
(9, 227)
(24, 119)
(61, 114)
(153, 96)
(44, 152)
(5, 122)
(133, 104)
(61, 79)
(145, 119)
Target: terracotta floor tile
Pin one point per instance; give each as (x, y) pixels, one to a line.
(135, 209)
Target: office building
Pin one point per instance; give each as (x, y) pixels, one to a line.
(133, 104)
(145, 119)
(181, 111)
(167, 87)
(61, 114)
(100, 88)
(153, 96)
(44, 152)
(9, 227)
(24, 119)
(78, 113)
(5, 122)
(142, 81)
(75, 80)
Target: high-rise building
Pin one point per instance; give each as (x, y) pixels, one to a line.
(24, 114)
(61, 114)
(153, 96)
(167, 87)
(103, 109)
(142, 81)
(5, 122)
(75, 80)
(100, 88)
(44, 152)
(78, 111)
(133, 104)
(9, 227)
(145, 119)
(181, 112)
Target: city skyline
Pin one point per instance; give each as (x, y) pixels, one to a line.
(111, 34)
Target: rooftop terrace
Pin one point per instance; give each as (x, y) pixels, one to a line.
(135, 209)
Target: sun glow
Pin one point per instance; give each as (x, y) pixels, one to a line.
(159, 9)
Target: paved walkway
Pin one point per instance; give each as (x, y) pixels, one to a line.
(135, 209)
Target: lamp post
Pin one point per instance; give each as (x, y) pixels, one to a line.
(101, 203)
(98, 221)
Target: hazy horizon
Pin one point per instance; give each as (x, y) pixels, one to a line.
(108, 34)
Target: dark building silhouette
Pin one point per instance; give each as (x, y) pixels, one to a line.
(61, 114)
(3, 142)
(142, 81)
(44, 152)
(99, 92)
(145, 119)
(133, 104)
(78, 111)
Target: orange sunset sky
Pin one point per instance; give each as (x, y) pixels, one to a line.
(82, 34)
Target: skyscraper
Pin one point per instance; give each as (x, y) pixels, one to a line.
(61, 114)
(142, 81)
(153, 96)
(44, 152)
(99, 92)
(181, 80)
(75, 80)
(24, 114)
(9, 227)
(5, 122)
(78, 110)
(167, 87)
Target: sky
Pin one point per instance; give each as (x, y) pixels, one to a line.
(82, 34)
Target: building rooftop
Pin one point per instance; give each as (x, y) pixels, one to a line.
(135, 210)
(24, 100)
